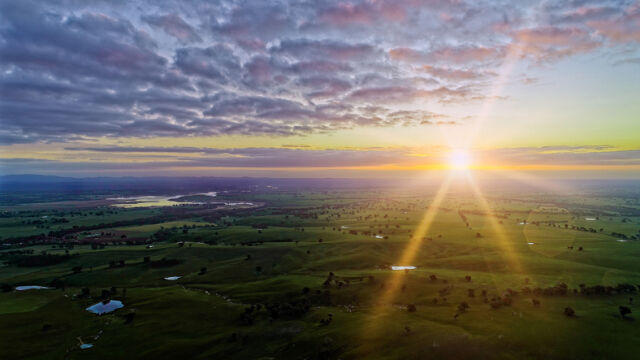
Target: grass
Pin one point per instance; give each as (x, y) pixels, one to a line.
(199, 315)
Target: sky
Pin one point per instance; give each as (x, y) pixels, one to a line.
(373, 88)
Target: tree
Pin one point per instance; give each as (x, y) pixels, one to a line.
(569, 311)
(624, 311)
(411, 308)
(128, 317)
(86, 292)
(463, 306)
(106, 294)
(77, 269)
(203, 271)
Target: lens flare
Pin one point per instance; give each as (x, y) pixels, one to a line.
(460, 159)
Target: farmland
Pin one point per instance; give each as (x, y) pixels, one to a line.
(307, 274)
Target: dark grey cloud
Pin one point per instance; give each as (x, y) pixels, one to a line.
(173, 25)
(76, 69)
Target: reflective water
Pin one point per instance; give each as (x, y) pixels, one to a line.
(150, 200)
(402, 267)
(104, 307)
(31, 287)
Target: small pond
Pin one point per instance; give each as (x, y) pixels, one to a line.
(105, 307)
(31, 287)
(394, 267)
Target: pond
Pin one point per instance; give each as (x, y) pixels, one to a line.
(31, 287)
(105, 307)
(86, 346)
(394, 267)
(172, 278)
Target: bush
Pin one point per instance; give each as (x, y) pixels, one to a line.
(37, 260)
(624, 311)
(568, 311)
(164, 262)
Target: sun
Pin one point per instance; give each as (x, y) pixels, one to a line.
(459, 159)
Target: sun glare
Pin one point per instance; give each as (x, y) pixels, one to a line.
(459, 159)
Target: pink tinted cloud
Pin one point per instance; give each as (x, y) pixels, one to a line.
(346, 14)
(451, 74)
(550, 43)
(626, 28)
(364, 13)
(451, 54)
(173, 25)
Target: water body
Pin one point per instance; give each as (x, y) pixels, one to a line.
(590, 219)
(172, 278)
(105, 307)
(394, 267)
(31, 287)
(164, 200)
(86, 346)
(152, 200)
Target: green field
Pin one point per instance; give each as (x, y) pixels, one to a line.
(257, 285)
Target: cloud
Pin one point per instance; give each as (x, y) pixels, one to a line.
(217, 63)
(325, 49)
(263, 157)
(156, 158)
(552, 43)
(565, 155)
(71, 70)
(173, 25)
(453, 74)
(622, 29)
(448, 54)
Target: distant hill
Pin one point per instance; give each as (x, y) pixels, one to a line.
(33, 178)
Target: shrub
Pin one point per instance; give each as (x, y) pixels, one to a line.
(568, 311)
(624, 311)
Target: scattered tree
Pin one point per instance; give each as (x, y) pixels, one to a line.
(624, 311)
(568, 311)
